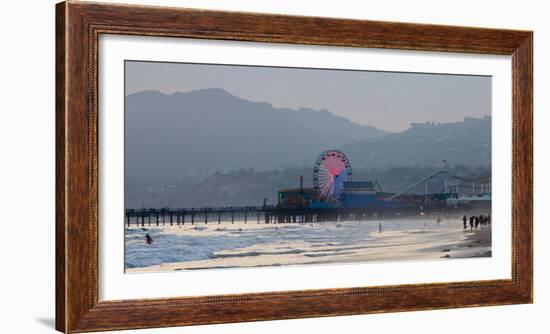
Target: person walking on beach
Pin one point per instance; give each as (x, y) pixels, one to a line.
(471, 223)
(148, 239)
(465, 221)
(476, 219)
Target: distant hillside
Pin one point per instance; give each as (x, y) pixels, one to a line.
(210, 148)
(249, 187)
(202, 131)
(427, 144)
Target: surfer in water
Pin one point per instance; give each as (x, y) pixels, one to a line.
(148, 239)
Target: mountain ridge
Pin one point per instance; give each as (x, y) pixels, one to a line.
(211, 129)
(427, 144)
(170, 137)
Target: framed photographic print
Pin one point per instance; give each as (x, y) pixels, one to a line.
(223, 166)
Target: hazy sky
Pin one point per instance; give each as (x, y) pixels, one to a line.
(386, 100)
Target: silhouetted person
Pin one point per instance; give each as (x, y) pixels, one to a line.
(471, 223)
(476, 219)
(148, 239)
(465, 221)
(489, 219)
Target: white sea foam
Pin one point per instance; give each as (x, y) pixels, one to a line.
(248, 245)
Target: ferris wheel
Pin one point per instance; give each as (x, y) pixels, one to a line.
(331, 170)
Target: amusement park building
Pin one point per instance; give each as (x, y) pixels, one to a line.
(333, 188)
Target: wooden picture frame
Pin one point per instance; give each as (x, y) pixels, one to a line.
(78, 26)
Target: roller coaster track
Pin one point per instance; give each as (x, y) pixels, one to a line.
(486, 177)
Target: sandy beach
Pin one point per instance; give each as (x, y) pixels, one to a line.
(243, 245)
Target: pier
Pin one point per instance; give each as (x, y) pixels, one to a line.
(192, 216)
(267, 215)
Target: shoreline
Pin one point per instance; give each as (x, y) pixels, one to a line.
(432, 242)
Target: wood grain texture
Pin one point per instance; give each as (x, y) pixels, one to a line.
(78, 28)
(60, 181)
